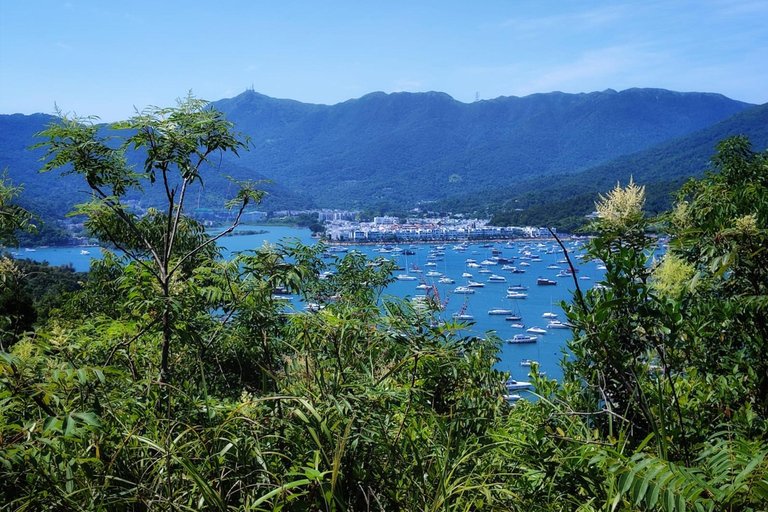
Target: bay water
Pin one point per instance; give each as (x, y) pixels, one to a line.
(547, 350)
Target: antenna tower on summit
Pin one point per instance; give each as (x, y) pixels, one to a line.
(477, 96)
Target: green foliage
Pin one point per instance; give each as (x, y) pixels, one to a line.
(13, 218)
(368, 402)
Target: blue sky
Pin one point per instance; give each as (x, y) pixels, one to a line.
(103, 58)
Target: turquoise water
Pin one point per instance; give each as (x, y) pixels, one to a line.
(541, 299)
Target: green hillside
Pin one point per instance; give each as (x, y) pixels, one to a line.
(663, 168)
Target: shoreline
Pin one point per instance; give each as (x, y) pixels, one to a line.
(566, 238)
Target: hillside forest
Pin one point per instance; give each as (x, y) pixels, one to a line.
(167, 378)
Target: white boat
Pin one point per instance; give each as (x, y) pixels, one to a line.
(475, 284)
(497, 279)
(517, 288)
(513, 384)
(485, 271)
(528, 362)
(474, 265)
(543, 281)
(500, 311)
(433, 273)
(557, 324)
(423, 286)
(463, 316)
(524, 264)
(464, 290)
(553, 267)
(84, 252)
(517, 326)
(467, 275)
(430, 264)
(488, 262)
(585, 278)
(549, 314)
(405, 277)
(512, 397)
(446, 280)
(516, 295)
(522, 338)
(536, 330)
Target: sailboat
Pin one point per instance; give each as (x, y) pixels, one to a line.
(462, 314)
(406, 276)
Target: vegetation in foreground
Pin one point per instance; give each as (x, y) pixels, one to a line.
(173, 381)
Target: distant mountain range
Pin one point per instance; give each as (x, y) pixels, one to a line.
(394, 151)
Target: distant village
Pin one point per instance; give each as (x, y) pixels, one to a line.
(341, 226)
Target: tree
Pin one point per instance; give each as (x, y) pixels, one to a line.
(178, 146)
(13, 218)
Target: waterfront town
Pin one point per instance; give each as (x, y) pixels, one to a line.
(392, 229)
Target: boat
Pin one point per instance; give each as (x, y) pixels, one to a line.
(557, 324)
(513, 318)
(84, 252)
(524, 264)
(423, 286)
(553, 267)
(516, 288)
(517, 325)
(585, 278)
(488, 262)
(405, 277)
(549, 314)
(512, 397)
(507, 267)
(522, 338)
(433, 273)
(485, 271)
(475, 284)
(536, 330)
(516, 270)
(464, 290)
(462, 314)
(513, 384)
(446, 280)
(430, 264)
(516, 295)
(543, 281)
(500, 311)
(528, 362)
(467, 275)
(497, 279)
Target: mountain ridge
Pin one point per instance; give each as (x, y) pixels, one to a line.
(399, 149)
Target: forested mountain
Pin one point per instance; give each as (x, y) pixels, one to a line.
(409, 147)
(662, 168)
(394, 150)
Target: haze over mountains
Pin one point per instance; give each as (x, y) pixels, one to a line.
(396, 150)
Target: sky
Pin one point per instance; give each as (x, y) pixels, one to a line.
(110, 58)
